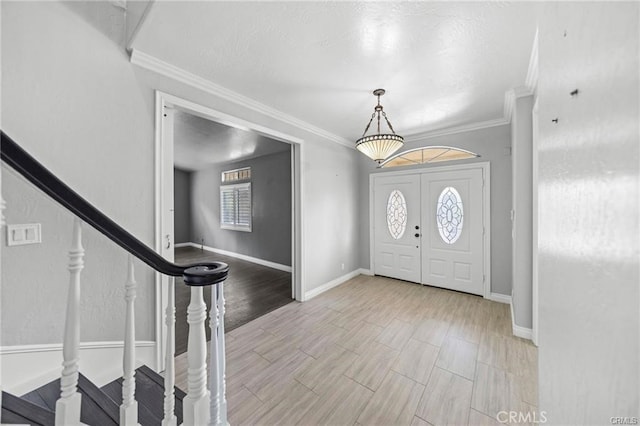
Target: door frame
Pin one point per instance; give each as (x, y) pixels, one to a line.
(534, 222)
(485, 166)
(164, 152)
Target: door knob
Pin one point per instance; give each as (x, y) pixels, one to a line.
(417, 235)
(417, 227)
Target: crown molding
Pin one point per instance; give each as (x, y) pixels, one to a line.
(532, 72)
(510, 99)
(457, 129)
(156, 65)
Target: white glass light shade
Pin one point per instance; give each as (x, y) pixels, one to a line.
(379, 147)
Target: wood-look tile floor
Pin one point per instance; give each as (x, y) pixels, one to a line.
(378, 351)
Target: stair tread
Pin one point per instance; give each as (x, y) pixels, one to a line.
(97, 408)
(100, 406)
(149, 394)
(145, 416)
(180, 394)
(16, 410)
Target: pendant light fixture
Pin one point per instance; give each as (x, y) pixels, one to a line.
(380, 145)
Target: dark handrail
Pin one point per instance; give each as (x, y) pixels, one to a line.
(23, 163)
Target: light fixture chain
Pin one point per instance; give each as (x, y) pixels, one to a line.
(368, 125)
(388, 123)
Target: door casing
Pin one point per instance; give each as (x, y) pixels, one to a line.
(164, 189)
(485, 166)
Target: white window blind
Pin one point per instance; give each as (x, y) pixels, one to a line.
(235, 207)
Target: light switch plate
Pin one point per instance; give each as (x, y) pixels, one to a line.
(28, 233)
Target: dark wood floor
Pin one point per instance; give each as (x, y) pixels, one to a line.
(250, 291)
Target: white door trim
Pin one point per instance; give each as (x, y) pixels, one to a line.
(534, 224)
(165, 100)
(485, 166)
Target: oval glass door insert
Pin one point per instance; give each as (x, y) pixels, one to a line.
(449, 215)
(396, 214)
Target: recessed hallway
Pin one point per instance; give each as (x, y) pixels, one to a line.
(378, 351)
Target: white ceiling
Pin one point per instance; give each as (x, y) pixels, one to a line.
(199, 143)
(443, 64)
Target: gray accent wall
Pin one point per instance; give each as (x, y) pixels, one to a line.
(182, 205)
(270, 236)
(493, 144)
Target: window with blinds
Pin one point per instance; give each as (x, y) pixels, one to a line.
(235, 207)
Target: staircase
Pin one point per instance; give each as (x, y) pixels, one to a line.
(139, 397)
(100, 406)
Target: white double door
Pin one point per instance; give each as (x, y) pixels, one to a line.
(429, 228)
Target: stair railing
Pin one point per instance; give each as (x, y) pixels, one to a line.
(201, 406)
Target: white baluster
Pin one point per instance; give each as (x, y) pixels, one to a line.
(196, 403)
(214, 363)
(68, 406)
(129, 407)
(169, 372)
(3, 205)
(218, 347)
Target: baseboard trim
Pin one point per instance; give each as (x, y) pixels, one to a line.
(500, 298)
(525, 333)
(367, 272)
(331, 284)
(27, 367)
(240, 256)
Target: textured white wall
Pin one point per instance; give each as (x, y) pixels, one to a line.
(70, 98)
(589, 331)
(493, 145)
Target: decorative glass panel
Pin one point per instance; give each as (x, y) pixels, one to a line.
(396, 214)
(236, 175)
(449, 215)
(427, 154)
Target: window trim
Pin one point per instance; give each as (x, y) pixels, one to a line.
(235, 226)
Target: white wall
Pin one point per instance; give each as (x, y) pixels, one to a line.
(71, 97)
(589, 297)
(492, 144)
(521, 141)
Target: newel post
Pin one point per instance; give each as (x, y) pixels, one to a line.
(196, 403)
(68, 406)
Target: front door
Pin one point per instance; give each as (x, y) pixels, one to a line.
(453, 246)
(396, 203)
(428, 228)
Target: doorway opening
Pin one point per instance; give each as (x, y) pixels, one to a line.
(251, 223)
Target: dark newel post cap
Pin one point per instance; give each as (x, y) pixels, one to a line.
(206, 274)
